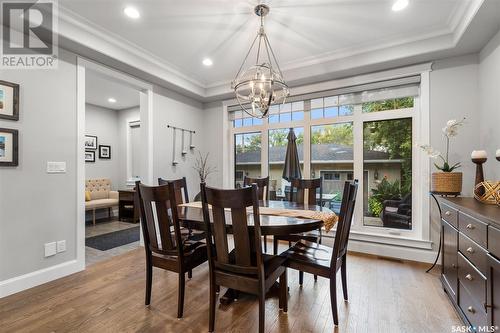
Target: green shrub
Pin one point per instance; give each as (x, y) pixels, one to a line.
(374, 207)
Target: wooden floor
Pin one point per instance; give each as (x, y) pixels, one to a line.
(385, 296)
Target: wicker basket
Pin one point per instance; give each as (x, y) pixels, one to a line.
(446, 182)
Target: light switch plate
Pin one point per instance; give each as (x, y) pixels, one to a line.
(56, 167)
(61, 246)
(50, 249)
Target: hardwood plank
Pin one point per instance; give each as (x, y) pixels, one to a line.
(384, 296)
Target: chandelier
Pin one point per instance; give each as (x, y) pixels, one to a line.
(260, 85)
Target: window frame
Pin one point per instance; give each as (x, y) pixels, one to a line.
(419, 236)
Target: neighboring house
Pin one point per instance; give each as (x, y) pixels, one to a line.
(332, 162)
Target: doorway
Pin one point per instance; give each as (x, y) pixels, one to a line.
(113, 109)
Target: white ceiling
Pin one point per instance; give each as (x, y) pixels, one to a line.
(311, 38)
(99, 88)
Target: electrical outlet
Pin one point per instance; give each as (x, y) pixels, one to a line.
(61, 246)
(50, 249)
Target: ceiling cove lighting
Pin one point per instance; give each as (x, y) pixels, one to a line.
(207, 62)
(400, 5)
(260, 85)
(111, 100)
(132, 12)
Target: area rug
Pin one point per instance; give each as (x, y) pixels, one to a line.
(113, 239)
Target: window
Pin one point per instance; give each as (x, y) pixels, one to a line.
(387, 146)
(345, 134)
(247, 151)
(332, 158)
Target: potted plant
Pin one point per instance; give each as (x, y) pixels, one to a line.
(203, 169)
(446, 180)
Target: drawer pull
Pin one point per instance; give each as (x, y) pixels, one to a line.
(469, 277)
(469, 226)
(447, 213)
(470, 250)
(471, 309)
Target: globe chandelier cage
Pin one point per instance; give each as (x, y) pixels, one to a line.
(260, 85)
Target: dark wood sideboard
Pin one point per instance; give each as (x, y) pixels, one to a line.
(470, 270)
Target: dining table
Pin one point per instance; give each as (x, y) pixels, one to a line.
(191, 216)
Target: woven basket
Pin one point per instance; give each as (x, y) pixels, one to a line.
(446, 182)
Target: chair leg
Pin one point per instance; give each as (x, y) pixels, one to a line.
(149, 281)
(343, 272)
(275, 246)
(190, 274)
(180, 304)
(265, 244)
(109, 213)
(333, 299)
(93, 217)
(262, 311)
(211, 320)
(283, 302)
(301, 278)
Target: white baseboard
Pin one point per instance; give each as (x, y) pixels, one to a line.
(33, 279)
(392, 251)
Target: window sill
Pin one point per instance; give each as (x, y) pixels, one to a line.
(387, 240)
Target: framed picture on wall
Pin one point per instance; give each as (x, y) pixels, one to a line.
(9, 100)
(8, 147)
(89, 156)
(90, 142)
(105, 152)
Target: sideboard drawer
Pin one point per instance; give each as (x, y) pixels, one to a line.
(474, 281)
(473, 311)
(473, 228)
(493, 241)
(476, 254)
(450, 214)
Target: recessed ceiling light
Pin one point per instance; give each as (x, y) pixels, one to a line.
(132, 12)
(208, 62)
(400, 5)
(111, 100)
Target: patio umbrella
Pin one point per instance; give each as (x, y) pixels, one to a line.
(291, 170)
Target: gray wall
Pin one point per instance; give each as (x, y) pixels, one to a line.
(489, 102)
(103, 123)
(176, 110)
(454, 95)
(36, 207)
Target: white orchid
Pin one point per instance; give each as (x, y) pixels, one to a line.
(449, 131)
(433, 153)
(451, 128)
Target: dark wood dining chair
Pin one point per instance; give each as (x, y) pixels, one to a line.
(245, 268)
(180, 186)
(182, 196)
(262, 193)
(166, 247)
(298, 195)
(325, 261)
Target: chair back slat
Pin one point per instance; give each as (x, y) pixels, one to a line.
(246, 258)
(299, 187)
(345, 222)
(241, 237)
(157, 223)
(262, 186)
(220, 234)
(180, 188)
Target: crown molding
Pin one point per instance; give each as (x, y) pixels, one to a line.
(93, 37)
(86, 33)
